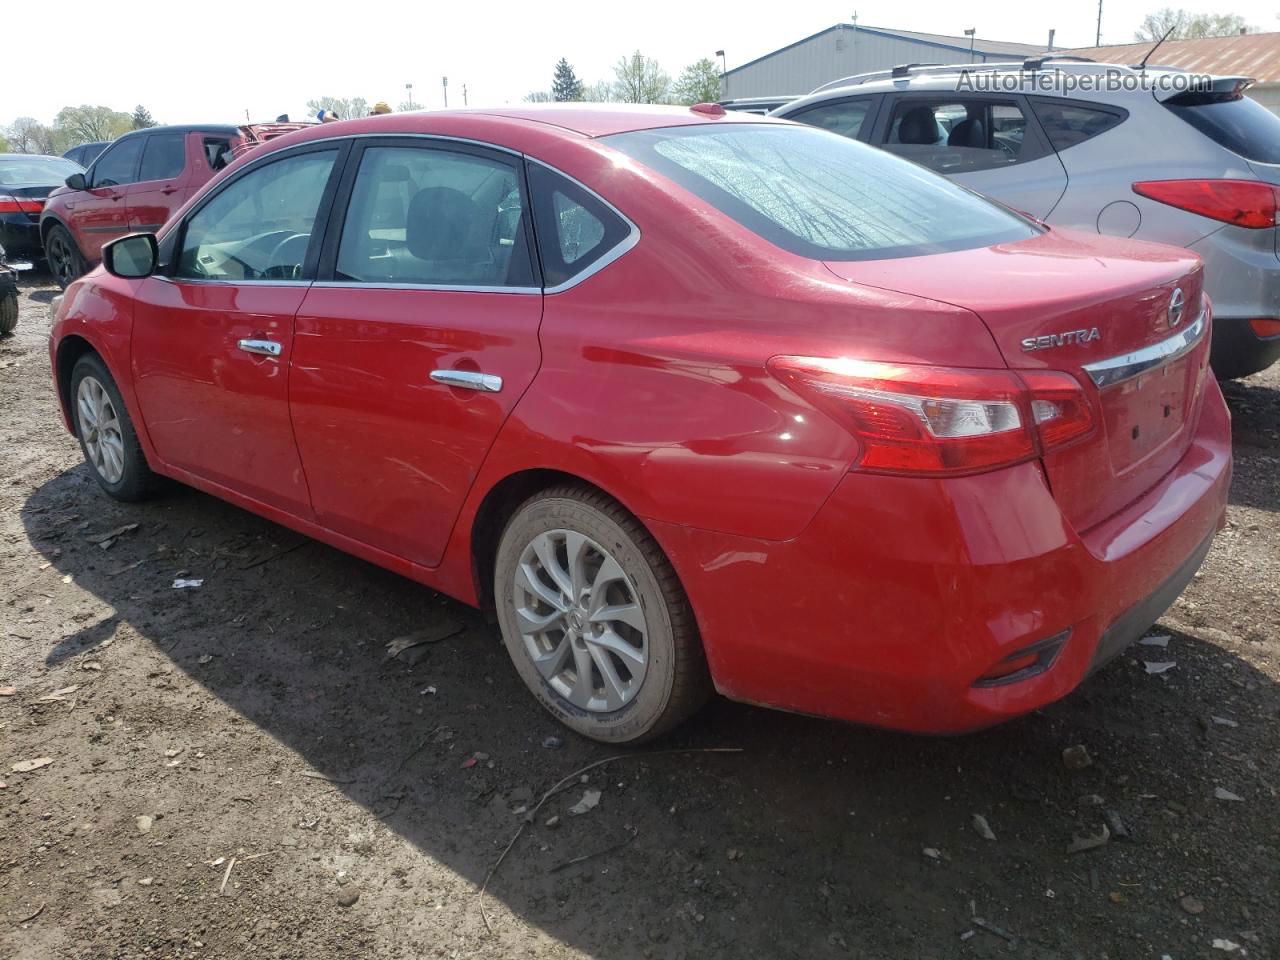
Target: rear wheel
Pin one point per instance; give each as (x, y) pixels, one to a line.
(106, 433)
(594, 619)
(65, 261)
(8, 312)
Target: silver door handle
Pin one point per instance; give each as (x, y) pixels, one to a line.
(267, 348)
(467, 380)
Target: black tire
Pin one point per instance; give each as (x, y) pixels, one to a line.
(674, 682)
(66, 263)
(8, 312)
(136, 481)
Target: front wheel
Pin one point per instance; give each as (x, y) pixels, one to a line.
(595, 620)
(65, 260)
(106, 433)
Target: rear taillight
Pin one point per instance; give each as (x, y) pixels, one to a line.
(1243, 203)
(1265, 327)
(10, 204)
(941, 421)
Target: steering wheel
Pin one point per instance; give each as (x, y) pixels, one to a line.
(286, 261)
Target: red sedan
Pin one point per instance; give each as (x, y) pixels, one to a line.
(694, 400)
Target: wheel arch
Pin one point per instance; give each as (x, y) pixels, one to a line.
(70, 349)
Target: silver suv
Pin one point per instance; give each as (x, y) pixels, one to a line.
(1154, 154)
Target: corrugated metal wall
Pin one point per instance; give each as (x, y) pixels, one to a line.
(830, 56)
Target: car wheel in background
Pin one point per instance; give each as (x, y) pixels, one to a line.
(8, 312)
(595, 620)
(65, 262)
(106, 433)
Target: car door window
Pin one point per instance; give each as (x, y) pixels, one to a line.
(163, 157)
(438, 217)
(577, 231)
(955, 136)
(845, 117)
(1067, 124)
(217, 152)
(119, 165)
(258, 227)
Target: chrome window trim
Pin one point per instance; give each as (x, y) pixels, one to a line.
(210, 282)
(618, 250)
(439, 287)
(1126, 366)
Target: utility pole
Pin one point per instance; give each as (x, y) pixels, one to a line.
(246, 115)
(444, 83)
(1051, 33)
(1097, 40)
(970, 34)
(409, 88)
(464, 94)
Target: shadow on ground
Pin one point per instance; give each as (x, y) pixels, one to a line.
(811, 842)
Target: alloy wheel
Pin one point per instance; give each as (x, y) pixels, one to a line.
(100, 429)
(580, 621)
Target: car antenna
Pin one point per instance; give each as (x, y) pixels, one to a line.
(1142, 65)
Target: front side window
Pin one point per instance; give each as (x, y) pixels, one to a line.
(822, 196)
(217, 152)
(1067, 124)
(260, 226)
(954, 136)
(164, 156)
(845, 117)
(435, 217)
(119, 164)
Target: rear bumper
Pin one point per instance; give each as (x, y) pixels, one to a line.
(903, 592)
(1242, 277)
(1238, 351)
(20, 237)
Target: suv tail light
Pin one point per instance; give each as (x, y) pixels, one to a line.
(941, 421)
(1265, 327)
(1243, 203)
(10, 204)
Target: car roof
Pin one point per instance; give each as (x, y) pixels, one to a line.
(226, 129)
(589, 119)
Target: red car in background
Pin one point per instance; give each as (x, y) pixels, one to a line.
(693, 399)
(135, 184)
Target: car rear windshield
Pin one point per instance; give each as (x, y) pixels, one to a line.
(822, 196)
(36, 171)
(1243, 126)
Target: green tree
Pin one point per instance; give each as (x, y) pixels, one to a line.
(142, 118)
(4, 144)
(698, 83)
(639, 79)
(602, 91)
(1190, 26)
(86, 124)
(565, 85)
(342, 107)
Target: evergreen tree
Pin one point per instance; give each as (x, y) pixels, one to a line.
(565, 85)
(141, 118)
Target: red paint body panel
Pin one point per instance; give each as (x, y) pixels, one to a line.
(212, 409)
(887, 596)
(389, 454)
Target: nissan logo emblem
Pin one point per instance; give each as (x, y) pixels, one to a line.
(1177, 304)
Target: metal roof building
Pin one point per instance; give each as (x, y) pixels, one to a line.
(1254, 55)
(848, 48)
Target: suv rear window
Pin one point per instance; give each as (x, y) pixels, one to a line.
(820, 195)
(1232, 120)
(1070, 123)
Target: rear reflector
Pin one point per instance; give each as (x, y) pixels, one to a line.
(941, 421)
(1243, 203)
(1265, 328)
(20, 205)
(1025, 663)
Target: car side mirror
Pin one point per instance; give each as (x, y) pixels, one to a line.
(131, 257)
(77, 182)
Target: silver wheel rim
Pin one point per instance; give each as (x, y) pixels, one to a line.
(100, 430)
(580, 620)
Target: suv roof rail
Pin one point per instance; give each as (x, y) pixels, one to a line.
(924, 69)
(1037, 63)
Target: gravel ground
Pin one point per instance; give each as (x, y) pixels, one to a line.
(239, 770)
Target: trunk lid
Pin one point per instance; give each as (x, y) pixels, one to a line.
(1099, 309)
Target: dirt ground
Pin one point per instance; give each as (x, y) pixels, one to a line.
(238, 769)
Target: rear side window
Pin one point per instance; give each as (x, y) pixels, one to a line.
(164, 156)
(955, 136)
(217, 152)
(822, 197)
(576, 230)
(845, 117)
(119, 164)
(1070, 123)
(1232, 120)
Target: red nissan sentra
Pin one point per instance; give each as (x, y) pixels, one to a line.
(695, 400)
